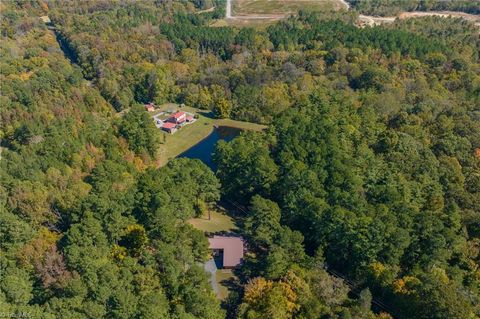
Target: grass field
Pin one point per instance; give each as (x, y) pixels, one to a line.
(248, 7)
(259, 24)
(221, 276)
(219, 221)
(188, 136)
(262, 13)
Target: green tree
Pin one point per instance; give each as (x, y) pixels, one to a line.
(16, 286)
(263, 221)
(139, 130)
(245, 166)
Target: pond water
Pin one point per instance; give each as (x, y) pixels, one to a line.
(204, 149)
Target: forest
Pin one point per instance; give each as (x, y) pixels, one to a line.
(360, 200)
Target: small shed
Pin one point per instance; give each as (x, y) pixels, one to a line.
(46, 19)
(150, 107)
(229, 248)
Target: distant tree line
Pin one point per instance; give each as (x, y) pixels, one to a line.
(394, 7)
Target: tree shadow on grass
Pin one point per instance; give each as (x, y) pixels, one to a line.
(234, 294)
(206, 113)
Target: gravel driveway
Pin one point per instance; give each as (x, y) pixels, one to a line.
(211, 268)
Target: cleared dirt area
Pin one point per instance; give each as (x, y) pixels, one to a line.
(466, 16)
(374, 20)
(364, 20)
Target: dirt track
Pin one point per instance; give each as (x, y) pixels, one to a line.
(466, 16)
(375, 20)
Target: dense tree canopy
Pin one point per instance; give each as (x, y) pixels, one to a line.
(75, 241)
(369, 169)
(138, 129)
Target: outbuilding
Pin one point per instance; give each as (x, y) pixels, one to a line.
(227, 249)
(150, 107)
(169, 127)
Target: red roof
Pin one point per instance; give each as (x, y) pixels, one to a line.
(189, 118)
(232, 249)
(178, 115)
(168, 125)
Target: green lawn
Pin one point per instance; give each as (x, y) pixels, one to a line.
(219, 221)
(175, 144)
(220, 276)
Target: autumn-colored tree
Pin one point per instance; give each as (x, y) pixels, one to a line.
(135, 239)
(263, 297)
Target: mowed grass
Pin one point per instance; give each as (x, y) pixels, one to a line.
(259, 14)
(219, 222)
(250, 7)
(221, 276)
(177, 143)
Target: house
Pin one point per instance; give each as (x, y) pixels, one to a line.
(178, 117)
(169, 127)
(149, 107)
(228, 248)
(190, 119)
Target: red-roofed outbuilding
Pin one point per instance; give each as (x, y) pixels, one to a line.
(169, 127)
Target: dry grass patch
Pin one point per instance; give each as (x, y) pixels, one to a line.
(250, 7)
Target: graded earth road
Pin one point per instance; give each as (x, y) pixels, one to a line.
(373, 20)
(228, 11)
(211, 268)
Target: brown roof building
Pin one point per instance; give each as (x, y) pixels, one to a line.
(150, 107)
(230, 247)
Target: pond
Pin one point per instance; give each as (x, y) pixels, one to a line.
(204, 149)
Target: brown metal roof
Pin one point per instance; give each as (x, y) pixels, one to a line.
(232, 249)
